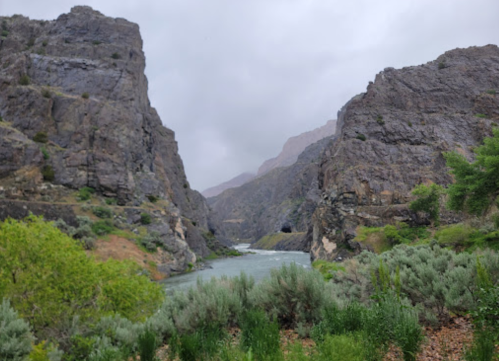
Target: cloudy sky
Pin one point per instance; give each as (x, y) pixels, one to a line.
(235, 78)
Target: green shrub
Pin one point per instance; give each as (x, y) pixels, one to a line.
(24, 80)
(102, 227)
(45, 352)
(341, 348)
(41, 137)
(145, 218)
(102, 212)
(1, 119)
(45, 153)
(5, 33)
(45, 43)
(147, 345)
(111, 201)
(491, 91)
(292, 294)
(96, 42)
(259, 334)
(480, 115)
(53, 274)
(454, 234)
(152, 198)
(380, 120)
(85, 193)
(116, 56)
(15, 336)
(46, 93)
(483, 346)
(428, 200)
(85, 95)
(48, 173)
(151, 241)
(441, 65)
(361, 137)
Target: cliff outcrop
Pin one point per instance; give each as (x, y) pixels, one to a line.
(75, 113)
(281, 201)
(392, 137)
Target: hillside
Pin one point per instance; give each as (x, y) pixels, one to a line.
(75, 113)
(392, 137)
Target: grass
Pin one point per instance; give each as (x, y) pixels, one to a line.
(327, 269)
(271, 240)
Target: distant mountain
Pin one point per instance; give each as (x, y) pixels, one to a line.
(233, 183)
(294, 146)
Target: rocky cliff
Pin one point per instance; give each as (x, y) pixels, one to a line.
(281, 201)
(75, 113)
(294, 146)
(391, 138)
(232, 183)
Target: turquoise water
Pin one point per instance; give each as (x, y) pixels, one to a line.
(257, 265)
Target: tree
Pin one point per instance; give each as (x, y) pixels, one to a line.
(428, 200)
(476, 184)
(49, 279)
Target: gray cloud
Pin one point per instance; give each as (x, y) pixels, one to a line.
(235, 78)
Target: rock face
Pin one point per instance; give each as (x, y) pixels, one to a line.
(79, 82)
(233, 183)
(283, 200)
(391, 138)
(294, 146)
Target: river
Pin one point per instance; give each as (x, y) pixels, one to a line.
(257, 265)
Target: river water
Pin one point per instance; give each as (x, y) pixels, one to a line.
(257, 265)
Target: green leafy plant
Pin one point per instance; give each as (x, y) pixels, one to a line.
(45, 153)
(111, 201)
(147, 345)
(491, 92)
(5, 33)
(46, 93)
(428, 201)
(152, 198)
(145, 218)
(85, 95)
(116, 56)
(379, 120)
(102, 212)
(45, 43)
(475, 187)
(102, 227)
(24, 80)
(85, 193)
(259, 334)
(480, 115)
(41, 137)
(15, 336)
(441, 65)
(48, 173)
(361, 137)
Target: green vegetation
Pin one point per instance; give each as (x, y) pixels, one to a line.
(111, 201)
(85, 193)
(491, 92)
(48, 173)
(15, 336)
(480, 115)
(46, 93)
(102, 227)
(5, 33)
(102, 212)
(152, 198)
(96, 42)
(145, 218)
(85, 95)
(379, 120)
(24, 80)
(271, 240)
(361, 137)
(41, 137)
(45, 43)
(116, 56)
(441, 65)
(327, 269)
(51, 280)
(45, 153)
(428, 201)
(475, 188)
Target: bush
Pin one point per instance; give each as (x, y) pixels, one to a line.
(41, 137)
(147, 346)
(85, 193)
(483, 346)
(292, 294)
(428, 200)
(480, 115)
(151, 241)
(259, 334)
(85, 95)
(380, 120)
(24, 80)
(48, 173)
(5, 33)
(102, 227)
(15, 335)
(116, 56)
(341, 348)
(46, 93)
(102, 212)
(111, 201)
(152, 198)
(361, 137)
(145, 218)
(45, 153)
(491, 91)
(454, 234)
(55, 280)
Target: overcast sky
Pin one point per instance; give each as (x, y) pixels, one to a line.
(235, 78)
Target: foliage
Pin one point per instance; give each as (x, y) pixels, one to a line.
(480, 115)
(45, 153)
(85, 95)
(102, 212)
(491, 92)
(259, 334)
(111, 201)
(428, 201)
(475, 186)
(454, 234)
(15, 335)
(292, 294)
(48, 173)
(341, 348)
(145, 218)
(147, 345)
(116, 56)
(45, 352)
(85, 193)
(83, 232)
(482, 348)
(327, 269)
(41, 137)
(51, 279)
(361, 137)
(379, 120)
(102, 227)
(24, 80)
(152, 198)
(46, 93)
